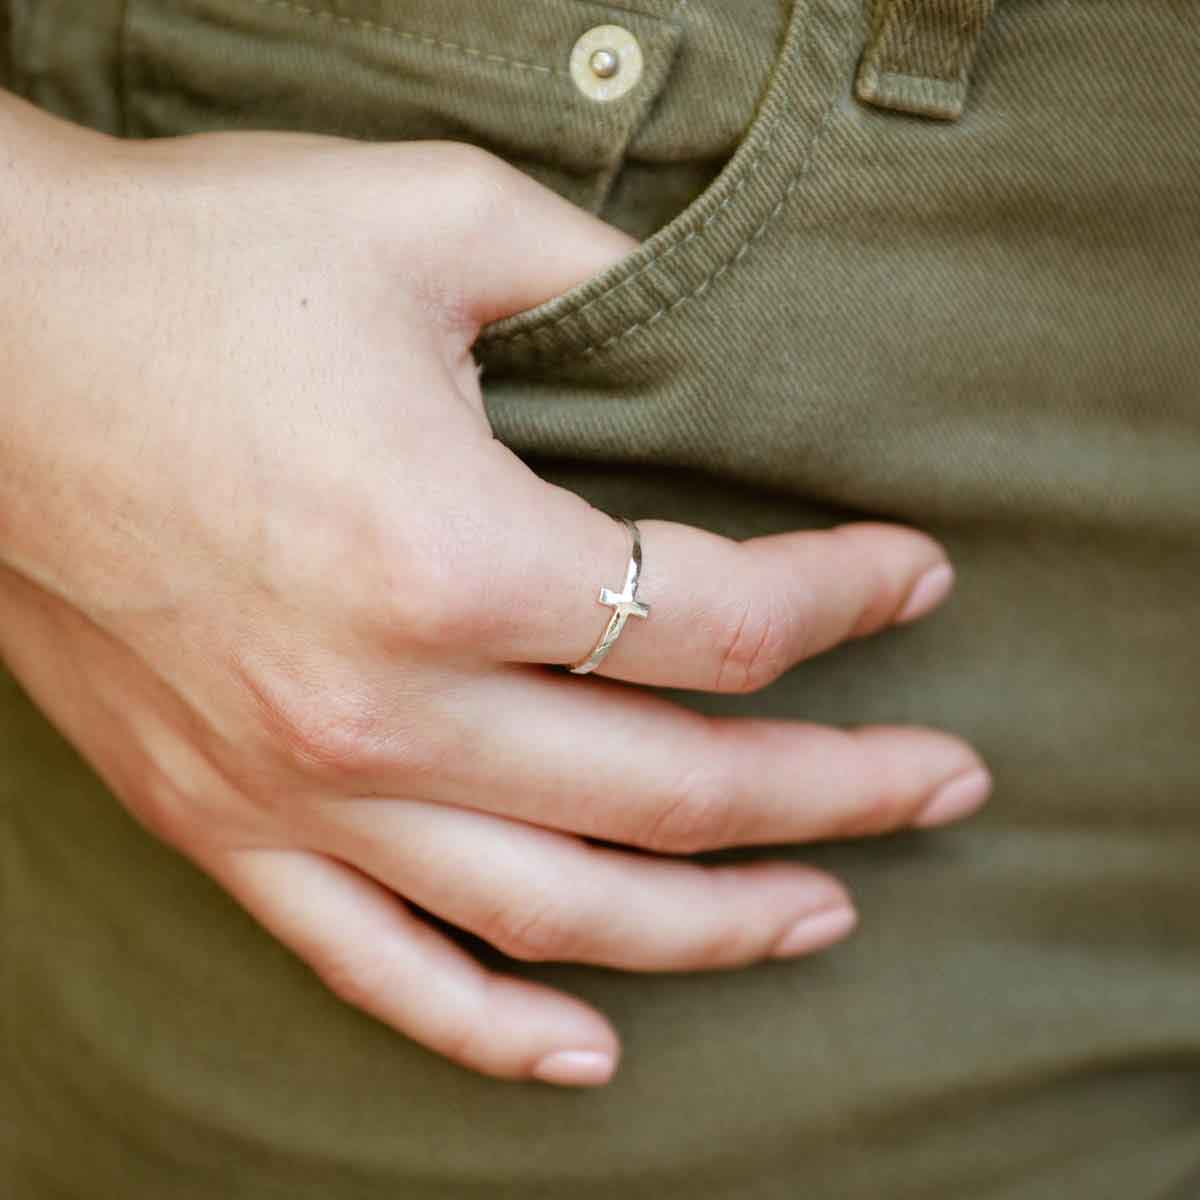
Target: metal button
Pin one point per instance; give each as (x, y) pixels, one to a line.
(606, 62)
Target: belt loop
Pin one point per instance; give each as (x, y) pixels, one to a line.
(919, 55)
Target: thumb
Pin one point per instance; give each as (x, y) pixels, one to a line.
(510, 242)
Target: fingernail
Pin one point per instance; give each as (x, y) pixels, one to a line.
(956, 799)
(575, 1068)
(928, 592)
(816, 931)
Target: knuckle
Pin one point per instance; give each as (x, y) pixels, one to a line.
(161, 808)
(430, 597)
(466, 160)
(730, 948)
(883, 799)
(539, 931)
(877, 601)
(323, 732)
(729, 945)
(430, 613)
(754, 645)
(364, 981)
(876, 811)
(456, 1033)
(695, 813)
(470, 183)
(877, 605)
(885, 560)
(856, 545)
(455, 177)
(393, 581)
(184, 798)
(469, 1034)
(341, 732)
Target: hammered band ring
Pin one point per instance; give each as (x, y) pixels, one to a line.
(625, 604)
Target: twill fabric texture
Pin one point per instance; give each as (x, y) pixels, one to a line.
(980, 317)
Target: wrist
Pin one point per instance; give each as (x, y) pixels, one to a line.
(51, 189)
(41, 157)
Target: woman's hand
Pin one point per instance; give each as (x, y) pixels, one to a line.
(266, 566)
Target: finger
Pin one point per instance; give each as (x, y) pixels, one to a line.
(626, 765)
(503, 242)
(373, 953)
(541, 896)
(725, 616)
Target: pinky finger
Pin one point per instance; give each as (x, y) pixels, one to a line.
(372, 952)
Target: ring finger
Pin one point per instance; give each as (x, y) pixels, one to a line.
(541, 896)
(627, 765)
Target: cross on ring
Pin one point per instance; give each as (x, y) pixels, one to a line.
(625, 604)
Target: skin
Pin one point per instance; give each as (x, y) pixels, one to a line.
(258, 563)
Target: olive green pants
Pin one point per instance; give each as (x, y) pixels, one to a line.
(899, 262)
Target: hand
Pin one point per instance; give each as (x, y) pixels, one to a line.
(269, 570)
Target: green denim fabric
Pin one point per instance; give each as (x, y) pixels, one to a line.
(919, 55)
(986, 327)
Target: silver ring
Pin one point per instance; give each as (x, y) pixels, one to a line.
(625, 604)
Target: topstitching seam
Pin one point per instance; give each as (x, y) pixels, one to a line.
(751, 168)
(321, 14)
(742, 250)
(703, 286)
(701, 229)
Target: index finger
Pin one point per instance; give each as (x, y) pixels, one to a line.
(725, 616)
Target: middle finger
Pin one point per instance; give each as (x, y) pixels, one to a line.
(539, 895)
(619, 763)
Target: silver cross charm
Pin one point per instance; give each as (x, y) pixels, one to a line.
(624, 604)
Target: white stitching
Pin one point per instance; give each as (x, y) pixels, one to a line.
(321, 14)
(675, 247)
(702, 287)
